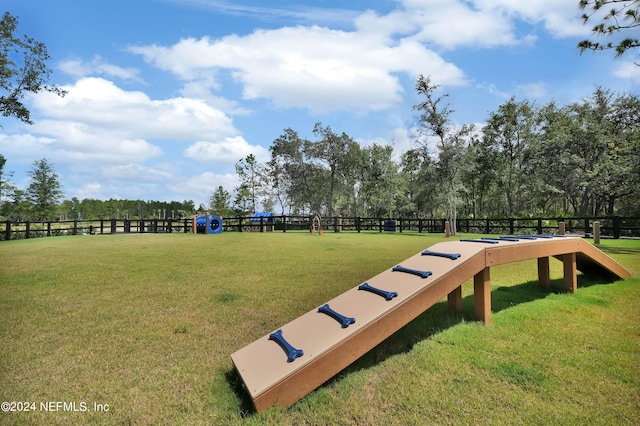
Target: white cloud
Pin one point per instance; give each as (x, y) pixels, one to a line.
(97, 66)
(560, 17)
(228, 151)
(99, 103)
(200, 187)
(133, 172)
(297, 12)
(307, 67)
(627, 70)
(24, 145)
(535, 90)
(90, 191)
(73, 141)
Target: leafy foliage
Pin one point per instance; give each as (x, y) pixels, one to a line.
(44, 189)
(23, 70)
(623, 15)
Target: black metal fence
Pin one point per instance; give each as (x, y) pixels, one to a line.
(610, 226)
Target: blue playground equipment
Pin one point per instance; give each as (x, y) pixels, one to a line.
(266, 217)
(210, 224)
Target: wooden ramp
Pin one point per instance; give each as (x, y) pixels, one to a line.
(283, 366)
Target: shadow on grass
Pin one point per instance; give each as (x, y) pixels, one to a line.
(431, 322)
(619, 250)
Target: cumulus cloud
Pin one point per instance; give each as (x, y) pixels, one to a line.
(228, 151)
(535, 90)
(101, 104)
(97, 66)
(307, 67)
(91, 190)
(627, 70)
(200, 187)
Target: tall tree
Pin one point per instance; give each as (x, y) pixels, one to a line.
(23, 70)
(379, 180)
(331, 149)
(288, 170)
(252, 179)
(509, 132)
(43, 191)
(435, 121)
(220, 202)
(623, 15)
(6, 187)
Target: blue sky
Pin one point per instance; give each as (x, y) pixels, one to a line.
(165, 96)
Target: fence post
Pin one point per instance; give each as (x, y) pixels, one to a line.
(596, 232)
(487, 227)
(358, 224)
(48, 229)
(616, 227)
(539, 225)
(284, 223)
(447, 229)
(7, 231)
(75, 227)
(511, 224)
(27, 230)
(561, 228)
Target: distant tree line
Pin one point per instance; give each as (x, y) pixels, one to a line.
(581, 159)
(41, 200)
(578, 159)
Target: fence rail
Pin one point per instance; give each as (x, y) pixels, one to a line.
(610, 226)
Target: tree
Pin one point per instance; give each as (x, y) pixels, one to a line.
(435, 120)
(508, 134)
(251, 189)
(624, 15)
(220, 202)
(287, 170)
(7, 188)
(379, 180)
(332, 149)
(44, 189)
(23, 70)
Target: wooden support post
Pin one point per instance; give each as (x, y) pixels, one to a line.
(544, 278)
(561, 228)
(570, 272)
(454, 299)
(596, 232)
(195, 229)
(447, 229)
(482, 296)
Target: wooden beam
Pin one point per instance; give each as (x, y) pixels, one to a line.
(482, 296)
(454, 299)
(570, 272)
(544, 277)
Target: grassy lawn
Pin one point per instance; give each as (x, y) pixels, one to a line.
(145, 324)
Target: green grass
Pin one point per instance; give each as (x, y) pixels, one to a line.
(146, 324)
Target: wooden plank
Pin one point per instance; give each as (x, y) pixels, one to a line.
(509, 252)
(590, 259)
(328, 348)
